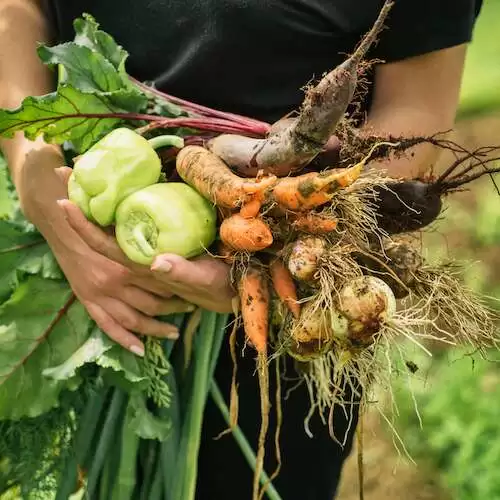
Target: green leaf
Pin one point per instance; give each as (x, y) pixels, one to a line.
(144, 423)
(6, 201)
(65, 115)
(24, 251)
(41, 325)
(88, 35)
(90, 72)
(104, 352)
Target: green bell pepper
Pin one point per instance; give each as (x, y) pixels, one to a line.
(165, 218)
(116, 166)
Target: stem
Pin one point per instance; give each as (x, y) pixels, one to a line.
(83, 441)
(166, 140)
(108, 433)
(203, 110)
(141, 240)
(242, 441)
(210, 331)
(204, 123)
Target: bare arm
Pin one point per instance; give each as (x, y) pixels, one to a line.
(32, 164)
(416, 96)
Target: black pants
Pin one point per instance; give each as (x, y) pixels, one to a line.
(310, 466)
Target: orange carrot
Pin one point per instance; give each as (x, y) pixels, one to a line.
(313, 189)
(254, 297)
(252, 208)
(284, 286)
(314, 223)
(211, 177)
(250, 234)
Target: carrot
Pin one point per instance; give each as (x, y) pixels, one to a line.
(313, 189)
(254, 297)
(245, 234)
(284, 286)
(314, 223)
(211, 177)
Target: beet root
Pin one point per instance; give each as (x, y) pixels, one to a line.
(295, 142)
(407, 206)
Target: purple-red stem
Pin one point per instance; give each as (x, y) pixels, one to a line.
(202, 123)
(257, 125)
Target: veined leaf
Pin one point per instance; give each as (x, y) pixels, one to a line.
(41, 325)
(90, 72)
(24, 251)
(101, 350)
(6, 201)
(144, 423)
(65, 115)
(89, 35)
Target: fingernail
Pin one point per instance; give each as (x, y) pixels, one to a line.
(137, 350)
(164, 266)
(172, 335)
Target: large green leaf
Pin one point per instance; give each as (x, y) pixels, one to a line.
(23, 251)
(6, 201)
(65, 115)
(144, 423)
(103, 351)
(91, 72)
(89, 35)
(41, 325)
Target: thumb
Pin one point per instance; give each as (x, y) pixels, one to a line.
(94, 236)
(202, 272)
(64, 173)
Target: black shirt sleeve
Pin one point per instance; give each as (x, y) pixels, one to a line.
(416, 27)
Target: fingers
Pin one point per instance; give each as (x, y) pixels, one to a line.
(152, 305)
(134, 321)
(199, 273)
(205, 281)
(111, 328)
(94, 236)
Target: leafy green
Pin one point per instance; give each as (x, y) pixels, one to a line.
(89, 35)
(40, 325)
(143, 422)
(22, 251)
(90, 72)
(66, 115)
(6, 201)
(102, 351)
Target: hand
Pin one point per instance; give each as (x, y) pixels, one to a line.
(204, 281)
(121, 301)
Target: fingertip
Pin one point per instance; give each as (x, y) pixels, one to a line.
(162, 264)
(137, 349)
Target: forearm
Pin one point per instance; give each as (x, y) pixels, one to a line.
(406, 122)
(22, 27)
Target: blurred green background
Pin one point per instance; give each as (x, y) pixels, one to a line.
(458, 396)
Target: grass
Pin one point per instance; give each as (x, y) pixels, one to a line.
(480, 91)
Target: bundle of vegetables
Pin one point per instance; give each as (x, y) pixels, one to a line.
(320, 247)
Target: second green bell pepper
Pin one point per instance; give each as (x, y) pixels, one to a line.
(165, 218)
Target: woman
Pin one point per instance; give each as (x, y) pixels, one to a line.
(249, 57)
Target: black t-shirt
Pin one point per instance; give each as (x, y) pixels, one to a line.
(254, 56)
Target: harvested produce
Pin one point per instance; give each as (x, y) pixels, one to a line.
(117, 165)
(165, 218)
(318, 242)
